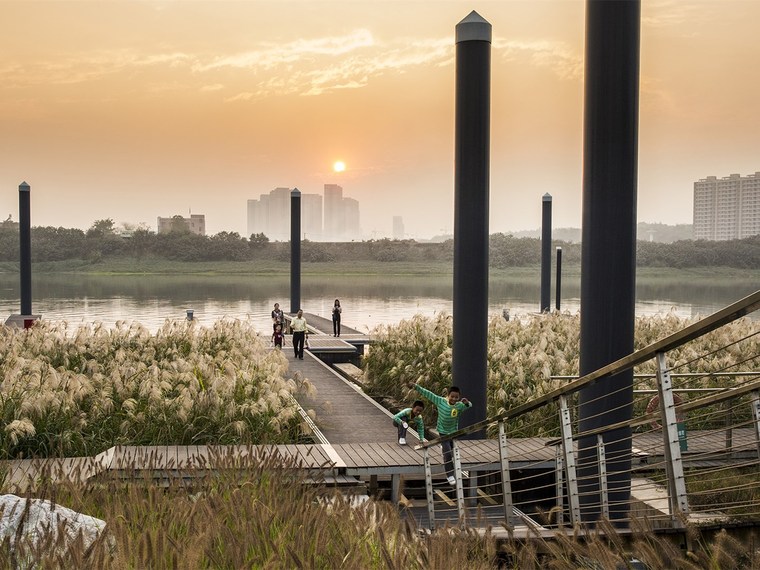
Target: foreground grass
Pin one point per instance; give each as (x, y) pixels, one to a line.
(265, 516)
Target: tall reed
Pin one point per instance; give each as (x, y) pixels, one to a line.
(78, 392)
(524, 354)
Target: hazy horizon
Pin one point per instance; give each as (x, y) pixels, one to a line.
(132, 110)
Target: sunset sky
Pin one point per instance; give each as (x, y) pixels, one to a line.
(136, 109)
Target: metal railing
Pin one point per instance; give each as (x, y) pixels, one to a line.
(690, 454)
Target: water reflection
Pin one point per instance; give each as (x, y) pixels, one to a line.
(368, 300)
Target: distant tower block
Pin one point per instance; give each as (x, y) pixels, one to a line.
(398, 227)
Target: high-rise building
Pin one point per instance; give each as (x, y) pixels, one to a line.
(311, 216)
(353, 230)
(335, 217)
(278, 226)
(727, 208)
(257, 217)
(270, 215)
(398, 227)
(195, 224)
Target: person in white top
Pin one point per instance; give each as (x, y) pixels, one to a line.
(298, 326)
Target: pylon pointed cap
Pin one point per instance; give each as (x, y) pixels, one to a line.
(295, 192)
(23, 187)
(473, 28)
(547, 197)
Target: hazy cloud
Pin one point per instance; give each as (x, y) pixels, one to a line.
(71, 69)
(272, 55)
(557, 56)
(670, 13)
(305, 67)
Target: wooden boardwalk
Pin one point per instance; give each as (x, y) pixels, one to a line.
(345, 414)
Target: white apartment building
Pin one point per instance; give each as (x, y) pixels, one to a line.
(727, 208)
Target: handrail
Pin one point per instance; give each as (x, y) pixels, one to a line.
(724, 395)
(729, 314)
(673, 375)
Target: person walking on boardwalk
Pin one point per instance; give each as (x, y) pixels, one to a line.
(277, 316)
(277, 336)
(449, 409)
(408, 415)
(336, 311)
(298, 325)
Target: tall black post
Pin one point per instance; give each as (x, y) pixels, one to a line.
(608, 265)
(546, 252)
(471, 184)
(295, 250)
(25, 247)
(558, 293)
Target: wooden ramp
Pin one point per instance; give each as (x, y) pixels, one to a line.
(345, 414)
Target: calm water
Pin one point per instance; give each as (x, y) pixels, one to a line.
(367, 301)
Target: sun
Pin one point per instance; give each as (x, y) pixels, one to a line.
(339, 166)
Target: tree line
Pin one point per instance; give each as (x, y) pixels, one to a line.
(102, 242)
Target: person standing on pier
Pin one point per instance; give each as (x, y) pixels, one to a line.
(408, 415)
(277, 316)
(336, 311)
(449, 409)
(298, 326)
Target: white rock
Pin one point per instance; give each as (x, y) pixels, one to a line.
(29, 520)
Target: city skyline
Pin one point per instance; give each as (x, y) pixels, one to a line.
(270, 215)
(134, 110)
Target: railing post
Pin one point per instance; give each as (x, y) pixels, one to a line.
(429, 488)
(673, 462)
(560, 485)
(756, 418)
(506, 482)
(603, 477)
(458, 477)
(569, 454)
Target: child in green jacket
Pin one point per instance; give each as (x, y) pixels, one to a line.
(408, 415)
(449, 409)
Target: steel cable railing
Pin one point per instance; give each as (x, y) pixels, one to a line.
(682, 423)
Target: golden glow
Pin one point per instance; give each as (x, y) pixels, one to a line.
(285, 87)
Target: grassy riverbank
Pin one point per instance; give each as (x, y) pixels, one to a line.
(151, 266)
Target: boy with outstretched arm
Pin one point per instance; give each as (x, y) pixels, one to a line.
(408, 415)
(449, 409)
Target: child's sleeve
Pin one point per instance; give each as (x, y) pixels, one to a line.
(397, 417)
(421, 428)
(435, 398)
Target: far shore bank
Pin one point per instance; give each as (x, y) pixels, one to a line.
(354, 268)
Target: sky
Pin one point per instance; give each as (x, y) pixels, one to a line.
(132, 110)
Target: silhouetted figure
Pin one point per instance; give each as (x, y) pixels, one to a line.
(336, 311)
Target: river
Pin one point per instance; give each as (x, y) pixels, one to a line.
(367, 301)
